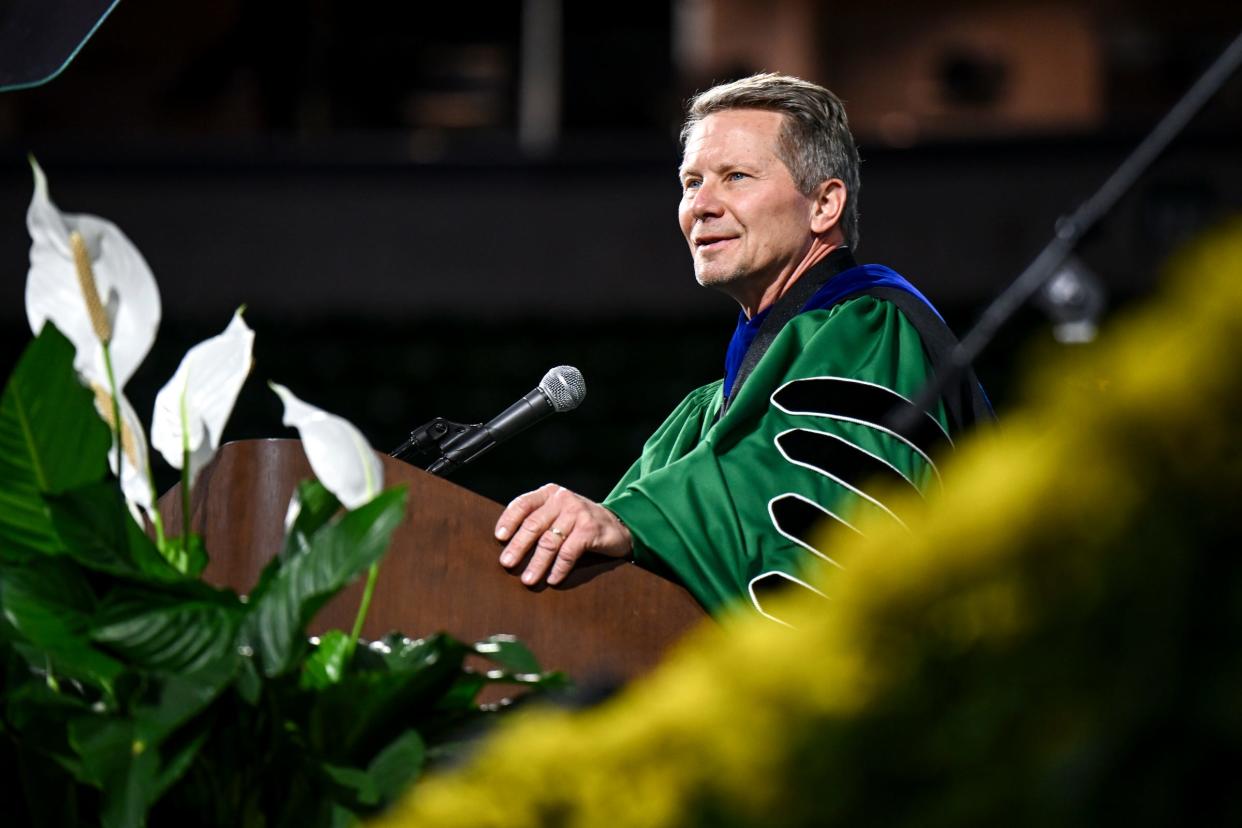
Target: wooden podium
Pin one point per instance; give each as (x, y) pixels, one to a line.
(610, 619)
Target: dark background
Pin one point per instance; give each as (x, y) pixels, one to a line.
(424, 208)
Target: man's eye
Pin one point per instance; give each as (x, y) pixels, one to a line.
(690, 184)
(736, 176)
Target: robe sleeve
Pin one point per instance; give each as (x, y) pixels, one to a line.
(732, 505)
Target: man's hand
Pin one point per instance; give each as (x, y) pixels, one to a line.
(561, 526)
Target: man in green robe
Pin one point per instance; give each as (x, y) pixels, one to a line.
(798, 434)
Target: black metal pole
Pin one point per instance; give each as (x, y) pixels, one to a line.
(1071, 229)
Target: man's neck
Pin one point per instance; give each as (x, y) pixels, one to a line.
(778, 287)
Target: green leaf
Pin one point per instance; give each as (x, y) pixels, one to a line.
(186, 554)
(49, 604)
(326, 665)
(171, 701)
(171, 630)
(51, 440)
(316, 506)
(37, 716)
(517, 665)
(396, 653)
(359, 789)
(179, 762)
(343, 818)
(386, 777)
(285, 602)
(460, 697)
(120, 764)
(356, 717)
(97, 530)
(30, 700)
(249, 683)
(510, 654)
(132, 759)
(398, 765)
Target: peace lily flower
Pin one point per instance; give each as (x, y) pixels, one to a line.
(135, 471)
(193, 407)
(93, 284)
(347, 466)
(89, 280)
(339, 455)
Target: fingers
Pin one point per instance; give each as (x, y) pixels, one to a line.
(559, 526)
(569, 553)
(595, 529)
(519, 508)
(552, 545)
(524, 521)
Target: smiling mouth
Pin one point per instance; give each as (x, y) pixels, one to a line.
(712, 243)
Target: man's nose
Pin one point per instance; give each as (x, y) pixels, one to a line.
(706, 202)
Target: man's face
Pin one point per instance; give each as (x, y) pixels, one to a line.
(741, 213)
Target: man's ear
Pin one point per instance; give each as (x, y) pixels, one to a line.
(829, 205)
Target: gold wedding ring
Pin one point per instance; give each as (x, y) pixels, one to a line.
(557, 532)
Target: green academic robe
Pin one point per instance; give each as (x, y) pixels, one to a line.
(729, 505)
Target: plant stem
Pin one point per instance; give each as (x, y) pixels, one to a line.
(185, 501)
(372, 577)
(157, 520)
(52, 683)
(185, 470)
(117, 425)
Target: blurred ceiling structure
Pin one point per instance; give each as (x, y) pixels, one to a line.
(455, 196)
(456, 77)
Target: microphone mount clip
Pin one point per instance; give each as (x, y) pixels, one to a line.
(427, 443)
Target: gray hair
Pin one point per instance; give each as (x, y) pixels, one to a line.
(814, 142)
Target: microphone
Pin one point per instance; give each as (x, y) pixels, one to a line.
(561, 389)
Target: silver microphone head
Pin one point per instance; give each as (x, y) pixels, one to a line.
(564, 387)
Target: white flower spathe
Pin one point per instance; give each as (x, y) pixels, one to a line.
(125, 283)
(340, 456)
(193, 407)
(135, 466)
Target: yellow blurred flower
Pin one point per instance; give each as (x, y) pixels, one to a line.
(1054, 641)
